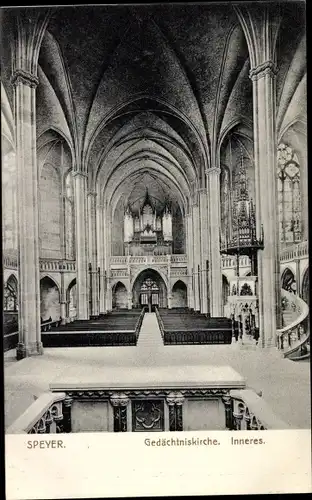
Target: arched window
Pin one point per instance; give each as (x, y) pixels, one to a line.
(289, 200)
(9, 298)
(69, 218)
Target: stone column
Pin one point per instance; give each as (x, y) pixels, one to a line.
(175, 402)
(29, 342)
(63, 298)
(80, 185)
(196, 252)
(101, 256)
(120, 403)
(265, 152)
(214, 220)
(190, 291)
(92, 247)
(203, 249)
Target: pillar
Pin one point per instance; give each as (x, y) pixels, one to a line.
(203, 249)
(119, 403)
(214, 220)
(29, 342)
(196, 252)
(101, 257)
(63, 299)
(80, 184)
(92, 247)
(175, 402)
(190, 291)
(265, 152)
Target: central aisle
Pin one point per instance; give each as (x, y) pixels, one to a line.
(149, 336)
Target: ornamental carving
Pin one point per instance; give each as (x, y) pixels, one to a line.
(266, 68)
(147, 415)
(22, 77)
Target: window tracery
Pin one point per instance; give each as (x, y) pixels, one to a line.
(289, 198)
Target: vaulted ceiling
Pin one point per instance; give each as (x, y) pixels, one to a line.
(151, 92)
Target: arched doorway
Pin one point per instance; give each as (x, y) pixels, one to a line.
(225, 290)
(71, 300)
(306, 287)
(289, 281)
(10, 298)
(119, 296)
(149, 290)
(179, 294)
(50, 307)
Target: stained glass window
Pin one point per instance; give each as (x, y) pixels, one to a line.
(289, 199)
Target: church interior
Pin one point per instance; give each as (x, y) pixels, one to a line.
(155, 217)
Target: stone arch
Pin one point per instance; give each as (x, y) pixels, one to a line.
(119, 295)
(158, 278)
(114, 282)
(288, 281)
(145, 268)
(305, 287)
(50, 306)
(225, 289)
(179, 294)
(10, 302)
(71, 300)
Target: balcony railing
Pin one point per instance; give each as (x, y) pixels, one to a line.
(148, 259)
(298, 251)
(47, 415)
(57, 265)
(51, 265)
(294, 339)
(250, 412)
(239, 410)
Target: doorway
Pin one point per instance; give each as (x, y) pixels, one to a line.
(149, 291)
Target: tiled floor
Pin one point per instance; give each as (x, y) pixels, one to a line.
(285, 384)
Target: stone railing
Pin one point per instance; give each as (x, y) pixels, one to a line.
(51, 265)
(294, 339)
(181, 258)
(57, 265)
(47, 415)
(230, 262)
(297, 251)
(148, 259)
(250, 412)
(10, 261)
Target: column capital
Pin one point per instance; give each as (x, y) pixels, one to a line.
(117, 399)
(263, 69)
(79, 173)
(22, 77)
(92, 193)
(202, 190)
(213, 170)
(175, 398)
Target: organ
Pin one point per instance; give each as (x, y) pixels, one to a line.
(149, 230)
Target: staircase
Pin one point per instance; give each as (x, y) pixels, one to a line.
(294, 338)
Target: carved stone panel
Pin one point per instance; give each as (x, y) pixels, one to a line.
(147, 415)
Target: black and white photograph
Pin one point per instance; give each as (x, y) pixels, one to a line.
(155, 221)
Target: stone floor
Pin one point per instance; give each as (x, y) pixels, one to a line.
(285, 384)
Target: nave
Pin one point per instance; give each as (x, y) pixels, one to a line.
(284, 384)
